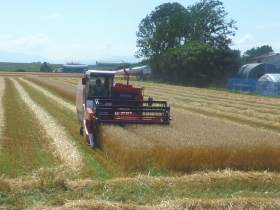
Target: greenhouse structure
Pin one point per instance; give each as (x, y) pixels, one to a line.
(256, 78)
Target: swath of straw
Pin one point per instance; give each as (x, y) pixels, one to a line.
(51, 96)
(63, 147)
(187, 203)
(2, 124)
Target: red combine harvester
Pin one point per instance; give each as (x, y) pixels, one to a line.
(101, 101)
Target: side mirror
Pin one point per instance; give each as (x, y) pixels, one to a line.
(143, 88)
(84, 80)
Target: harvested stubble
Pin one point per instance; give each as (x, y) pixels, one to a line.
(72, 80)
(249, 190)
(68, 91)
(2, 119)
(51, 96)
(188, 203)
(259, 112)
(25, 147)
(60, 109)
(208, 97)
(192, 143)
(63, 148)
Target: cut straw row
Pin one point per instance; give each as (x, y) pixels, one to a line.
(2, 122)
(170, 204)
(64, 149)
(51, 96)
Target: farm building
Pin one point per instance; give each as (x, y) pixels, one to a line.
(271, 58)
(256, 77)
(255, 70)
(107, 64)
(74, 68)
(72, 63)
(269, 84)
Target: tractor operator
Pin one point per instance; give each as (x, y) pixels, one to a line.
(98, 89)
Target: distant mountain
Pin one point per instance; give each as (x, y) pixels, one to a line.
(19, 57)
(124, 59)
(24, 58)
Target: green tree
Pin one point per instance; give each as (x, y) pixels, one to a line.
(170, 32)
(123, 66)
(160, 30)
(186, 64)
(198, 64)
(248, 55)
(45, 67)
(208, 24)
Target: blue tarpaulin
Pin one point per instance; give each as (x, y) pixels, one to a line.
(243, 85)
(254, 85)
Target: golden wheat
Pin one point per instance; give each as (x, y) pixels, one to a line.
(64, 149)
(192, 143)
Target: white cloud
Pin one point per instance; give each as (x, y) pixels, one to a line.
(41, 45)
(247, 39)
(88, 52)
(248, 42)
(258, 26)
(53, 16)
(276, 47)
(244, 43)
(267, 25)
(274, 25)
(29, 45)
(5, 37)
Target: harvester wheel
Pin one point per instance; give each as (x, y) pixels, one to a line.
(82, 131)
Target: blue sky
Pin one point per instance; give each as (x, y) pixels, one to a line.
(86, 31)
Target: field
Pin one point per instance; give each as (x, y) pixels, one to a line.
(221, 150)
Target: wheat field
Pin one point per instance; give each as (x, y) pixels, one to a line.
(255, 111)
(210, 130)
(221, 151)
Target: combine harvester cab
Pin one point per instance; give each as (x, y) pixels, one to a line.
(115, 103)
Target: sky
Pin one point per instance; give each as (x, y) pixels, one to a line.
(86, 31)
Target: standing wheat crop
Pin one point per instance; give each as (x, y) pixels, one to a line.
(192, 143)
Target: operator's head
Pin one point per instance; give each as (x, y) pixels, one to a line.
(98, 82)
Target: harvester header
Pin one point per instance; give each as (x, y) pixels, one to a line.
(101, 101)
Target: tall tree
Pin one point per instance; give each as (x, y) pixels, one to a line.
(171, 25)
(170, 31)
(198, 64)
(160, 30)
(45, 67)
(209, 24)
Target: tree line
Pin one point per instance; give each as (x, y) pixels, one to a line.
(191, 46)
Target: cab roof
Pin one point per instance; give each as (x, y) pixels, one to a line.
(89, 72)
